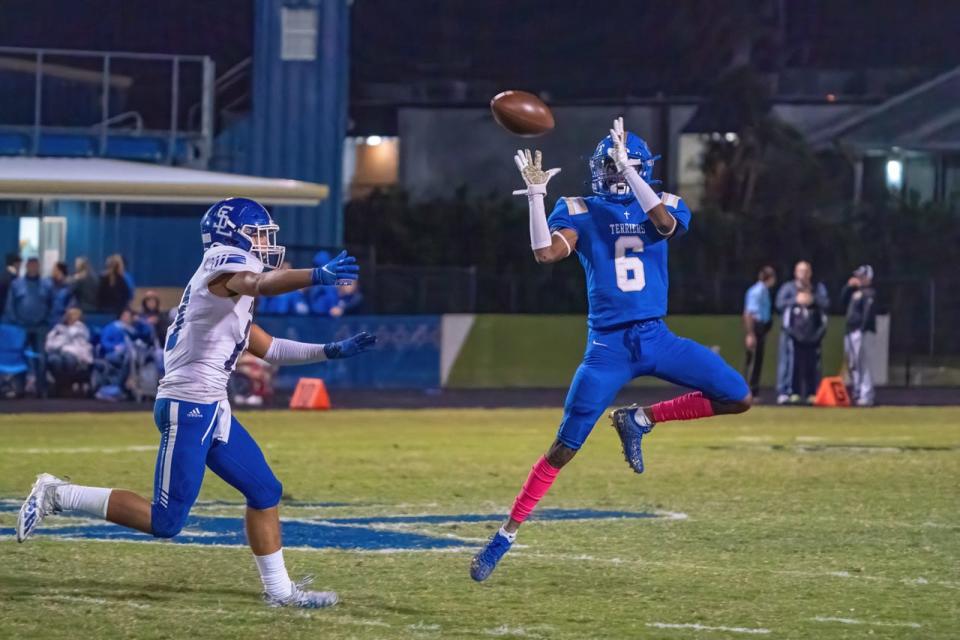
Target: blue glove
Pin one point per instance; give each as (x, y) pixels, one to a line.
(343, 267)
(349, 347)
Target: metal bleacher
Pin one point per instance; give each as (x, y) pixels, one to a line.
(131, 106)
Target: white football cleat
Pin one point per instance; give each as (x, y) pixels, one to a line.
(303, 599)
(41, 502)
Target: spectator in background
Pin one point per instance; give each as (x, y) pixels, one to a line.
(293, 303)
(321, 299)
(69, 352)
(757, 320)
(349, 300)
(145, 359)
(786, 298)
(128, 276)
(10, 272)
(85, 285)
(62, 293)
(113, 293)
(151, 314)
(805, 323)
(29, 305)
(860, 299)
(116, 341)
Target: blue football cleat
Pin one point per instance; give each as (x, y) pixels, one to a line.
(486, 560)
(631, 433)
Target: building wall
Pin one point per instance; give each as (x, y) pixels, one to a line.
(160, 244)
(299, 117)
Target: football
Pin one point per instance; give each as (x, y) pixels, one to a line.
(521, 113)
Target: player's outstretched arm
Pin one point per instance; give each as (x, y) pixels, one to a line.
(271, 283)
(546, 247)
(649, 201)
(280, 351)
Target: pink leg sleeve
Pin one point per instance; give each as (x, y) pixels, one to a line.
(538, 483)
(689, 406)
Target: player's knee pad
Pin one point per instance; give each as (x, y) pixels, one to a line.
(167, 522)
(265, 493)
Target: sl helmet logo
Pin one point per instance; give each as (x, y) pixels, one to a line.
(224, 224)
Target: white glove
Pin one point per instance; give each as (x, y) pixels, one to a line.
(536, 180)
(645, 195)
(533, 174)
(618, 152)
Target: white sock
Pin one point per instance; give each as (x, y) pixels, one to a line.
(509, 536)
(273, 574)
(91, 501)
(641, 417)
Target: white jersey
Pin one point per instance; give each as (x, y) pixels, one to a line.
(209, 333)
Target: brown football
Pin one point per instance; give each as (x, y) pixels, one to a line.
(521, 113)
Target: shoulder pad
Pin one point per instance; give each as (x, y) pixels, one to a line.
(226, 258)
(576, 206)
(670, 200)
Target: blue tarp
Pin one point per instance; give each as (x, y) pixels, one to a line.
(407, 354)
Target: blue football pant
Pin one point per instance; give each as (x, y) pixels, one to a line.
(187, 447)
(649, 348)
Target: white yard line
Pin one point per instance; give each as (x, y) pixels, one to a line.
(328, 616)
(873, 623)
(700, 627)
(136, 448)
(506, 630)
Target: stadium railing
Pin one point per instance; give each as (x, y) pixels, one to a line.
(106, 103)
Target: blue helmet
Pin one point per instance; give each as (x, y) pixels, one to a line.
(604, 177)
(245, 224)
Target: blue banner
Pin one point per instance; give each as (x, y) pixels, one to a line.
(407, 354)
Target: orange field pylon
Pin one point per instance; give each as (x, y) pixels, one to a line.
(311, 393)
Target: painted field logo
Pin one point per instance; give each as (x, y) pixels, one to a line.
(369, 533)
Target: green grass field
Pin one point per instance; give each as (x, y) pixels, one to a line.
(516, 350)
(800, 523)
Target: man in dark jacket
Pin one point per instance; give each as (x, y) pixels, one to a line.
(84, 285)
(860, 299)
(29, 305)
(805, 324)
(9, 274)
(62, 293)
(786, 297)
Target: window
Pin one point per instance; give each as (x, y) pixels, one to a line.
(920, 177)
(44, 238)
(298, 34)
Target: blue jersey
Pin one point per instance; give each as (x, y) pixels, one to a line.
(623, 255)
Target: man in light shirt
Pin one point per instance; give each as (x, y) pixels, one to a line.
(757, 314)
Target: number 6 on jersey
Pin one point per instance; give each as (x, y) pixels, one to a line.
(629, 267)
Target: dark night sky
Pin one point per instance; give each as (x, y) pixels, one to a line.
(576, 47)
